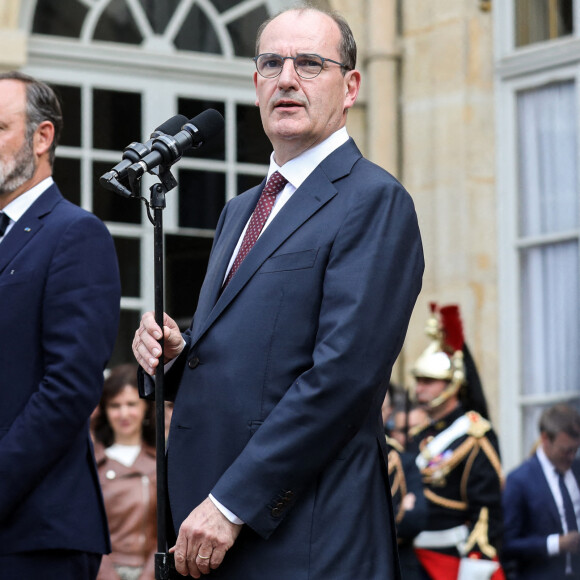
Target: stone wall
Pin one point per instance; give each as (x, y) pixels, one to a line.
(448, 164)
(12, 40)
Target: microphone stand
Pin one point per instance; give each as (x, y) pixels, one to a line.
(164, 562)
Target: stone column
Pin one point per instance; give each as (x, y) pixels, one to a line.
(12, 40)
(382, 78)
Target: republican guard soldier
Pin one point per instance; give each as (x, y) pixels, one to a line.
(457, 454)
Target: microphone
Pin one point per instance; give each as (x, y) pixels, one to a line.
(168, 149)
(135, 151)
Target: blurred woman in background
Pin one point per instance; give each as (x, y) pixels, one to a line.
(124, 433)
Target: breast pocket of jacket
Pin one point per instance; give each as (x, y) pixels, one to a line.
(291, 261)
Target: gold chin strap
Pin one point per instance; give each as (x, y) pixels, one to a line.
(457, 379)
(450, 390)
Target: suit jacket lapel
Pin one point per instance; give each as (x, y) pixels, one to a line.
(316, 191)
(237, 216)
(28, 225)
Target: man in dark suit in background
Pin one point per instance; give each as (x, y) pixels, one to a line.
(59, 310)
(541, 503)
(276, 452)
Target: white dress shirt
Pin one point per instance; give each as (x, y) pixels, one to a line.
(295, 171)
(18, 206)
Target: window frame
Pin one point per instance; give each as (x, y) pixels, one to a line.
(161, 79)
(518, 69)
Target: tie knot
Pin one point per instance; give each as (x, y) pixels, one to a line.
(4, 221)
(275, 184)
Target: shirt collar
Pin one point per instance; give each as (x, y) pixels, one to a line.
(18, 206)
(298, 169)
(547, 465)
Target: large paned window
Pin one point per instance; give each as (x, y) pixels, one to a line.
(540, 20)
(123, 67)
(538, 196)
(548, 246)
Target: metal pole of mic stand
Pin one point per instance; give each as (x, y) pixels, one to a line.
(164, 564)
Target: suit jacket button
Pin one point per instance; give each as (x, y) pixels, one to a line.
(192, 363)
(276, 512)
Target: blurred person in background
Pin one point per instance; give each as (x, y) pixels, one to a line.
(406, 422)
(542, 503)
(406, 485)
(124, 431)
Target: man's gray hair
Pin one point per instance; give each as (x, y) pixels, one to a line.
(347, 46)
(42, 104)
(560, 419)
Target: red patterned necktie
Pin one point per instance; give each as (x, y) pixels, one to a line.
(262, 210)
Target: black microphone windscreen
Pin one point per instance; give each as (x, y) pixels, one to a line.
(209, 124)
(173, 125)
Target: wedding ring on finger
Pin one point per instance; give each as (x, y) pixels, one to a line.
(203, 557)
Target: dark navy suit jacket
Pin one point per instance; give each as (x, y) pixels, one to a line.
(279, 390)
(530, 516)
(59, 310)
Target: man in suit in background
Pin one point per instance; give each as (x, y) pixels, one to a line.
(59, 310)
(276, 452)
(542, 502)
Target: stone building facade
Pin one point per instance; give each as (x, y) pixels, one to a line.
(438, 108)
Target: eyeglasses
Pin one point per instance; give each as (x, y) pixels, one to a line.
(307, 66)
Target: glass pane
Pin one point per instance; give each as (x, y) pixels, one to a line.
(70, 98)
(197, 34)
(129, 255)
(110, 206)
(128, 324)
(252, 145)
(550, 316)
(59, 17)
(116, 119)
(186, 261)
(202, 197)
(243, 31)
(531, 421)
(548, 154)
(117, 25)
(67, 175)
(159, 13)
(541, 20)
(223, 5)
(247, 181)
(214, 148)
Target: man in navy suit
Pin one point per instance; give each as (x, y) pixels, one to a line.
(276, 451)
(541, 503)
(59, 310)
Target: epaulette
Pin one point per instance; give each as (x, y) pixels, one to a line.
(478, 426)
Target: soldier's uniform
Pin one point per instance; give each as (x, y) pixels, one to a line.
(458, 457)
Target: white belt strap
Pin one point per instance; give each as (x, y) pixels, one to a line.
(441, 442)
(453, 537)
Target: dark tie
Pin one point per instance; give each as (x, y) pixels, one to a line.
(4, 221)
(262, 210)
(568, 506)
